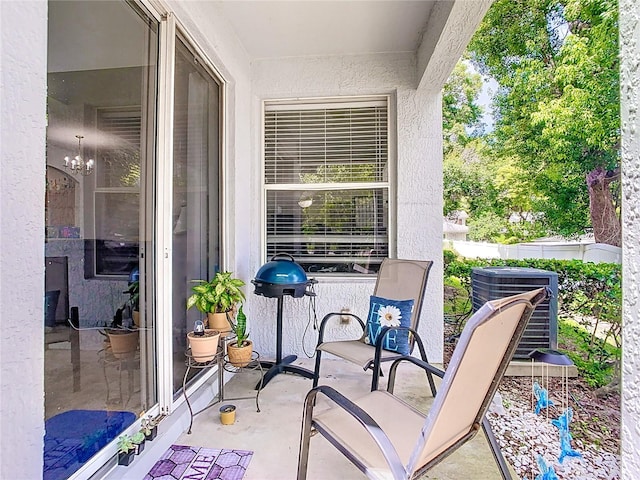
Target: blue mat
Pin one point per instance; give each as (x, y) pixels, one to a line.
(73, 437)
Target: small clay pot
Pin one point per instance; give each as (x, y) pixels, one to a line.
(227, 414)
(204, 348)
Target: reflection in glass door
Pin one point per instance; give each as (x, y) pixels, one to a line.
(196, 231)
(99, 340)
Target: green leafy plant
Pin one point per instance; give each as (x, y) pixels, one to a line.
(137, 438)
(218, 295)
(595, 359)
(134, 295)
(125, 444)
(147, 424)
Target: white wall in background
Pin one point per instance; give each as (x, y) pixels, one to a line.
(587, 252)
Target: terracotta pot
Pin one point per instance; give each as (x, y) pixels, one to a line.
(135, 315)
(124, 343)
(240, 356)
(219, 321)
(204, 348)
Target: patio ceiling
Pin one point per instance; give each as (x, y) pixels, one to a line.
(435, 31)
(304, 28)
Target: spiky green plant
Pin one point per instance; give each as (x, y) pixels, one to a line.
(240, 327)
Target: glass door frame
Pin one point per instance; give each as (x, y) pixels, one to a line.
(170, 30)
(156, 219)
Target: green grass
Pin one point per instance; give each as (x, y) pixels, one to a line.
(595, 360)
(458, 301)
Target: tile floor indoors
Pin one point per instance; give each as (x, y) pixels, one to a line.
(274, 433)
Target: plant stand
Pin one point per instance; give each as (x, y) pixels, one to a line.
(222, 362)
(112, 363)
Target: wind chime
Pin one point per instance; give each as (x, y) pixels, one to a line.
(544, 359)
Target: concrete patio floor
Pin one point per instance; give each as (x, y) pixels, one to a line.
(273, 434)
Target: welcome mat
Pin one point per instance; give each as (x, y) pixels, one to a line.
(182, 462)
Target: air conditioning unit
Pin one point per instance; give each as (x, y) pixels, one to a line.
(490, 283)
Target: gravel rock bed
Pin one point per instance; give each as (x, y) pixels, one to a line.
(523, 436)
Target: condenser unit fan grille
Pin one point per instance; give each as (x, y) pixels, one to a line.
(490, 283)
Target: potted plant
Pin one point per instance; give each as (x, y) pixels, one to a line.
(134, 301)
(203, 342)
(217, 298)
(240, 350)
(126, 450)
(149, 427)
(138, 442)
(123, 342)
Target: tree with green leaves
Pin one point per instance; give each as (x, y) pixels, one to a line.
(461, 113)
(467, 183)
(490, 191)
(557, 109)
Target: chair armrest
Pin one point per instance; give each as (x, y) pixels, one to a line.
(377, 359)
(370, 425)
(420, 363)
(325, 319)
(383, 333)
(426, 366)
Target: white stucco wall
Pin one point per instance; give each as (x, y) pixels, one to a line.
(23, 56)
(630, 99)
(419, 197)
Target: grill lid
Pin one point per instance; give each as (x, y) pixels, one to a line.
(281, 270)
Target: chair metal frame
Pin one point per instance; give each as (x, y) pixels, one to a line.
(424, 453)
(377, 353)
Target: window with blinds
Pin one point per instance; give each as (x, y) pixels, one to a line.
(116, 197)
(327, 184)
(119, 151)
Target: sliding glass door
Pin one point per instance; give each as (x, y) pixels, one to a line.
(100, 331)
(114, 347)
(196, 156)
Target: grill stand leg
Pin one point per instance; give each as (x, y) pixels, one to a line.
(281, 365)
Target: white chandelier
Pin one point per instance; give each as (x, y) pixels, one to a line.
(77, 164)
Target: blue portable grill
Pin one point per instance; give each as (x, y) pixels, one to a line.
(279, 277)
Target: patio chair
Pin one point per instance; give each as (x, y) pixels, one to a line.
(388, 439)
(405, 282)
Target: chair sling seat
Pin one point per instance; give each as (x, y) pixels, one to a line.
(398, 279)
(355, 351)
(400, 421)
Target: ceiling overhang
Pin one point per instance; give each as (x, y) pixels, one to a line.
(435, 31)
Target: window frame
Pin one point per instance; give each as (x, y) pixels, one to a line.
(387, 186)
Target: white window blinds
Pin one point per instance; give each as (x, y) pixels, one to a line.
(326, 181)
